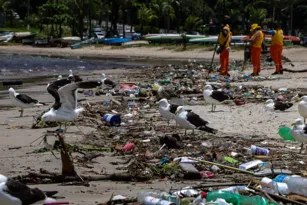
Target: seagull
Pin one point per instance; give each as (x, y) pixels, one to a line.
(23, 101)
(60, 77)
(190, 120)
(167, 110)
(214, 97)
(107, 81)
(68, 110)
(302, 107)
(299, 132)
(277, 105)
(15, 193)
(53, 88)
(163, 92)
(70, 73)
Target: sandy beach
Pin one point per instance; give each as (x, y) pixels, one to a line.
(250, 119)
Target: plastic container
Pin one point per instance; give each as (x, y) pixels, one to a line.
(236, 75)
(254, 150)
(235, 189)
(165, 197)
(274, 187)
(296, 184)
(236, 199)
(285, 133)
(250, 165)
(112, 120)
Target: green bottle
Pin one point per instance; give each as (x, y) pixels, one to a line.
(236, 199)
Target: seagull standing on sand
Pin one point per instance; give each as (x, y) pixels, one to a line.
(15, 193)
(60, 77)
(68, 110)
(190, 120)
(167, 110)
(70, 73)
(299, 132)
(214, 97)
(302, 107)
(277, 105)
(23, 101)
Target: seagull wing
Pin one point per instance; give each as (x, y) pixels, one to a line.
(109, 83)
(173, 108)
(68, 93)
(282, 106)
(196, 119)
(220, 96)
(25, 99)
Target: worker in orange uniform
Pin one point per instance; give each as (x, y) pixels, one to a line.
(277, 47)
(224, 48)
(256, 47)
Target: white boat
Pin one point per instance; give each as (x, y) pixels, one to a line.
(213, 39)
(6, 37)
(157, 37)
(71, 39)
(135, 43)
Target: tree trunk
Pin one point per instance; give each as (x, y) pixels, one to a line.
(68, 168)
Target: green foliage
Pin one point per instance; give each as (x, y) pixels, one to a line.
(192, 23)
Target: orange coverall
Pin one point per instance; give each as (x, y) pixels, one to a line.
(276, 48)
(256, 43)
(224, 42)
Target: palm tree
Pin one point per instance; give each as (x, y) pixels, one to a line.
(192, 23)
(164, 10)
(257, 15)
(145, 16)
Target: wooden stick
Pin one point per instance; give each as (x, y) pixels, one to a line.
(221, 165)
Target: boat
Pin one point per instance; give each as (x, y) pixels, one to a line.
(116, 41)
(213, 39)
(135, 43)
(287, 39)
(71, 39)
(24, 35)
(6, 36)
(84, 43)
(170, 37)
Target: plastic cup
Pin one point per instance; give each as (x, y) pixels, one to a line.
(285, 133)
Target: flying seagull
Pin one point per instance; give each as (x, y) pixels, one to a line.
(15, 193)
(214, 97)
(53, 88)
(299, 132)
(277, 105)
(302, 107)
(23, 101)
(68, 110)
(190, 120)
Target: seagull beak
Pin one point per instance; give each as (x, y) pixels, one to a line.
(298, 100)
(176, 112)
(293, 124)
(266, 103)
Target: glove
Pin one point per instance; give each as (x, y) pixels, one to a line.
(218, 50)
(228, 48)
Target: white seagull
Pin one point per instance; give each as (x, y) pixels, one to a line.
(302, 107)
(270, 105)
(70, 73)
(23, 101)
(60, 77)
(299, 132)
(68, 110)
(15, 193)
(163, 92)
(167, 110)
(190, 120)
(214, 97)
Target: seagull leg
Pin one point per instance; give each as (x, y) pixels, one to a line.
(212, 106)
(185, 132)
(302, 146)
(168, 122)
(21, 112)
(193, 131)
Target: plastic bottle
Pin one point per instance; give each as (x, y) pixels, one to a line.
(236, 199)
(162, 195)
(296, 184)
(150, 198)
(251, 164)
(201, 199)
(254, 150)
(236, 75)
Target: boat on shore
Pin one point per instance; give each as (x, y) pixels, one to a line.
(6, 36)
(24, 35)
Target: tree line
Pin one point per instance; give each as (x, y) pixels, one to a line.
(148, 16)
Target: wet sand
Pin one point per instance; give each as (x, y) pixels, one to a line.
(250, 119)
